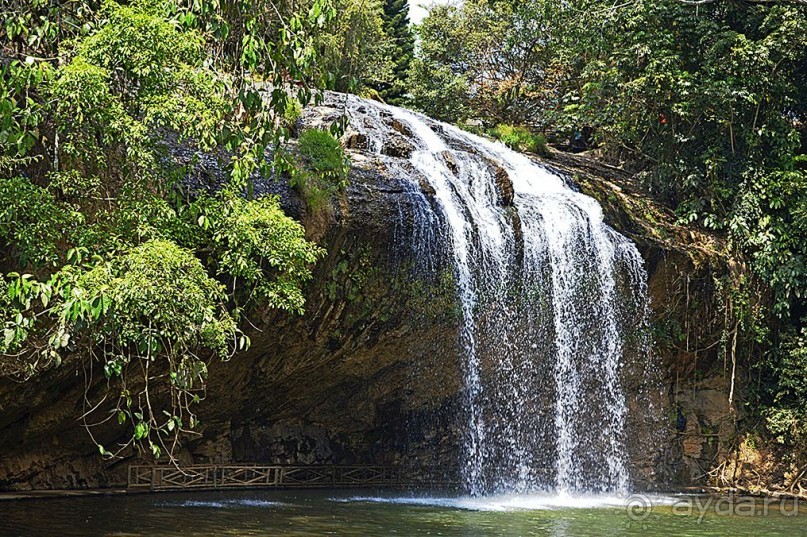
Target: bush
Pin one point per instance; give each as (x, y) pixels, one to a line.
(324, 168)
(324, 156)
(519, 138)
(292, 112)
(32, 222)
(154, 301)
(265, 250)
(156, 296)
(786, 417)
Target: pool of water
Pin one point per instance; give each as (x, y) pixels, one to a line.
(383, 513)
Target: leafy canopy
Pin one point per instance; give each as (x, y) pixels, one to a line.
(112, 253)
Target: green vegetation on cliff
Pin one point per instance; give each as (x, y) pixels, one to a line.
(107, 252)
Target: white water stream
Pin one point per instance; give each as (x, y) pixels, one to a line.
(549, 295)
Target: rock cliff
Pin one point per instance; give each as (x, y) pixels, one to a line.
(371, 372)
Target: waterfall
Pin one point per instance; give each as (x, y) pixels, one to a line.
(550, 298)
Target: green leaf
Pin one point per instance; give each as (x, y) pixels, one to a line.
(140, 431)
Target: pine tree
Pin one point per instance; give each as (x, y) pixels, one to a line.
(396, 24)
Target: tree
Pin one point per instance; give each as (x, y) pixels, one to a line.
(109, 254)
(486, 59)
(354, 50)
(398, 30)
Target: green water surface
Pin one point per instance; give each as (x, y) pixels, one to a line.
(382, 513)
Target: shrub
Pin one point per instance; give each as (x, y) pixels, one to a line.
(32, 222)
(519, 138)
(265, 250)
(324, 156)
(324, 168)
(155, 301)
(292, 112)
(787, 417)
(156, 296)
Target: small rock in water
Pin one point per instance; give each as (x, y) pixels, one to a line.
(354, 140)
(426, 188)
(451, 162)
(400, 127)
(503, 183)
(397, 146)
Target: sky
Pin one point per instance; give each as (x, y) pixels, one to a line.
(417, 11)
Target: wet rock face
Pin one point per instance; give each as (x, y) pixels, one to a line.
(503, 184)
(397, 146)
(701, 427)
(426, 188)
(354, 140)
(369, 375)
(450, 161)
(284, 442)
(400, 127)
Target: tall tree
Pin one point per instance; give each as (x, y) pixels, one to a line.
(486, 59)
(396, 25)
(354, 51)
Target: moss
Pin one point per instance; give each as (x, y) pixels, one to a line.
(434, 300)
(351, 274)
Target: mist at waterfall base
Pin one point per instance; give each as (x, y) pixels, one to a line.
(553, 302)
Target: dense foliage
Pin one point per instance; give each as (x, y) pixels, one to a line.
(366, 48)
(106, 249)
(354, 48)
(483, 60)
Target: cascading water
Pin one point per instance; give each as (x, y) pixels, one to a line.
(550, 297)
